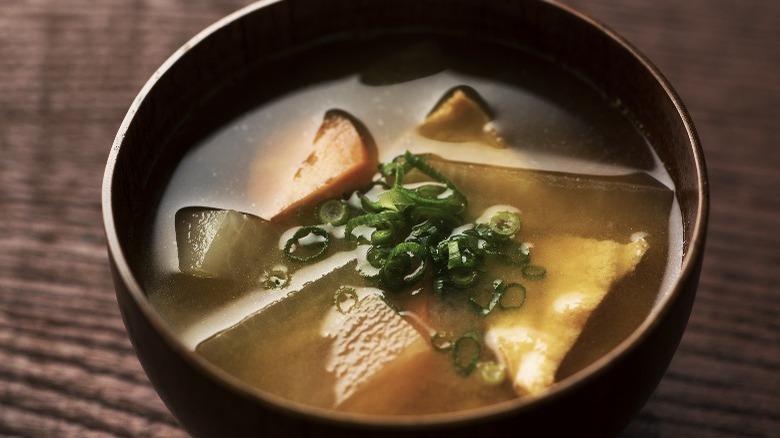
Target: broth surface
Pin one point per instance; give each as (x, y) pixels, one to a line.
(582, 166)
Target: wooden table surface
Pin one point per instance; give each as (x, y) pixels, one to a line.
(70, 69)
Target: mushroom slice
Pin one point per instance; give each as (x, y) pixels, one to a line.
(461, 116)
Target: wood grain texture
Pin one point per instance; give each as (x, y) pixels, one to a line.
(70, 69)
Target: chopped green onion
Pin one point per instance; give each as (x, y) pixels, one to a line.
(430, 190)
(465, 353)
(383, 236)
(377, 256)
(504, 223)
(275, 279)
(495, 297)
(294, 241)
(368, 205)
(405, 265)
(453, 250)
(345, 295)
(492, 373)
(372, 220)
(507, 296)
(512, 296)
(454, 203)
(399, 166)
(463, 277)
(419, 213)
(483, 232)
(533, 272)
(426, 231)
(420, 163)
(333, 212)
(393, 200)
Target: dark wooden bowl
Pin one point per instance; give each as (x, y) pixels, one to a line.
(598, 401)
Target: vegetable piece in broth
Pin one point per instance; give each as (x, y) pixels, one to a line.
(461, 116)
(343, 158)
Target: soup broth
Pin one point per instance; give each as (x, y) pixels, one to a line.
(572, 166)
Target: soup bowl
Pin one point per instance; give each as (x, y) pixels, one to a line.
(213, 78)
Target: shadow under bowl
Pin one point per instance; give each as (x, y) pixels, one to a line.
(159, 127)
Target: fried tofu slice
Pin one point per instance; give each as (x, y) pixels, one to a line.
(344, 158)
(461, 116)
(369, 339)
(533, 342)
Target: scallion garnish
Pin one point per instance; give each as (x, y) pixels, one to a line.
(495, 296)
(377, 256)
(430, 190)
(422, 220)
(463, 277)
(275, 279)
(383, 236)
(533, 272)
(504, 223)
(374, 220)
(318, 248)
(465, 353)
(505, 295)
(333, 212)
(512, 296)
(405, 264)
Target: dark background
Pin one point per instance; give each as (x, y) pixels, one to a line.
(70, 69)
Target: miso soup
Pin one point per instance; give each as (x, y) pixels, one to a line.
(426, 226)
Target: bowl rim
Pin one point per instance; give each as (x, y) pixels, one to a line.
(690, 258)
